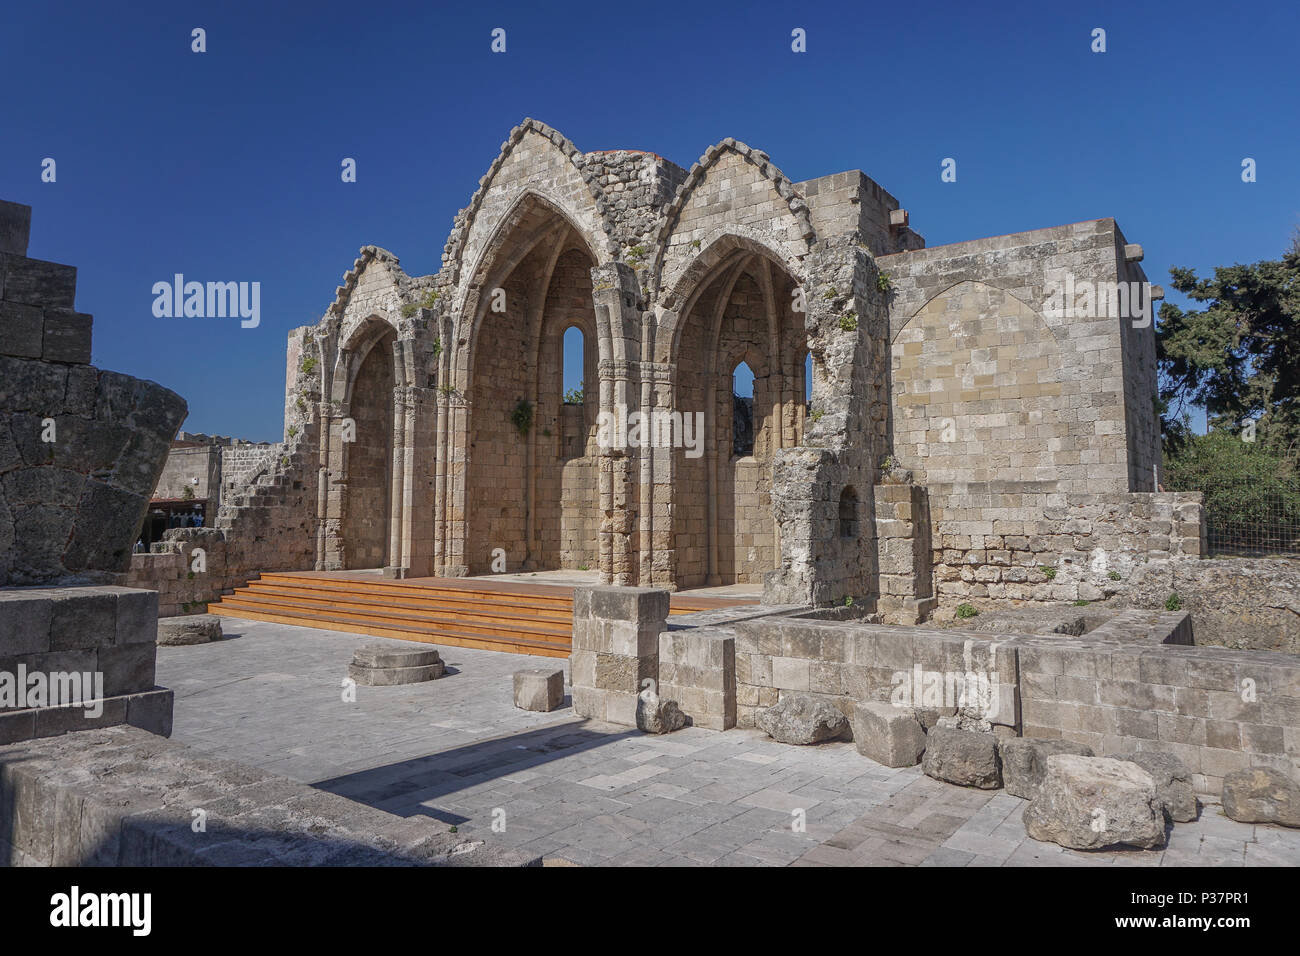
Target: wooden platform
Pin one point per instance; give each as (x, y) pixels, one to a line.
(493, 615)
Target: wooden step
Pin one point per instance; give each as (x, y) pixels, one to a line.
(481, 613)
(522, 594)
(339, 611)
(470, 603)
(514, 645)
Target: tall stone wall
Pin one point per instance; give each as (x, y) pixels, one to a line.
(964, 364)
(191, 471)
(993, 380)
(995, 542)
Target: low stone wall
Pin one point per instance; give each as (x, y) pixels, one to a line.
(69, 636)
(169, 570)
(1009, 542)
(121, 797)
(1218, 710)
(1135, 683)
(1242, 603)
(862, 662)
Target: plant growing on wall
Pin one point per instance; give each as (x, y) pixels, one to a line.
(965, 611)
(187, 493)
(883, 282)
(849, 321)
(576, 396)
(522, 417)
(308, 365)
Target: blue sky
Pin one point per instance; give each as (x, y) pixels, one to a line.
(224, 166)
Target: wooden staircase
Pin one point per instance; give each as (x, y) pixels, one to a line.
(459, 612)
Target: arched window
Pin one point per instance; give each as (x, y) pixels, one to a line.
(742, 416)
(848, 513)
(574, 355)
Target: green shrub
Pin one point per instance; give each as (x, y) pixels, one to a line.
(522, 417)
(1173, 602)
(1048, 573)
(965, 611)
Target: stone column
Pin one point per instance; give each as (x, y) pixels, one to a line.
(903, 543)
(418, 482)
(617, 298)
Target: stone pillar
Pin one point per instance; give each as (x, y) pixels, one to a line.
(847, 323)
(336, 479)
(615, 649)
(418, 482)
(617, 299)
(658, 559)
(903, 543)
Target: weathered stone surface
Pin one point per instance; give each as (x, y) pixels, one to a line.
(655, 715)
(889, 735)
(133, 792)
(929, 717)
(1262, 795)
(385, 665)
(1087, 803)
(802, 719)
(1024, 761)
(189, 629)
(539, 689)
(395, 655)
(1172, 779)
(967, 758)
(390, 676)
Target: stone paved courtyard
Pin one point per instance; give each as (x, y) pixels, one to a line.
(457, 750)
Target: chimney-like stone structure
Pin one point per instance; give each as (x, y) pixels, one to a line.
(80, 452)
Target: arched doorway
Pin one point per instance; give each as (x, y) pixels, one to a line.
(533, 480)
(367, 504)
(739, 358)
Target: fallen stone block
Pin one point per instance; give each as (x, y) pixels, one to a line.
(968, 758)
(929, 717)
(540, 690)
(1024, 761)
(386, 665)
(802, 719)
(655, 715)
(1173, 782)
(190, 629)
(1087, 803)
(889, 735)
(1261, 795)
